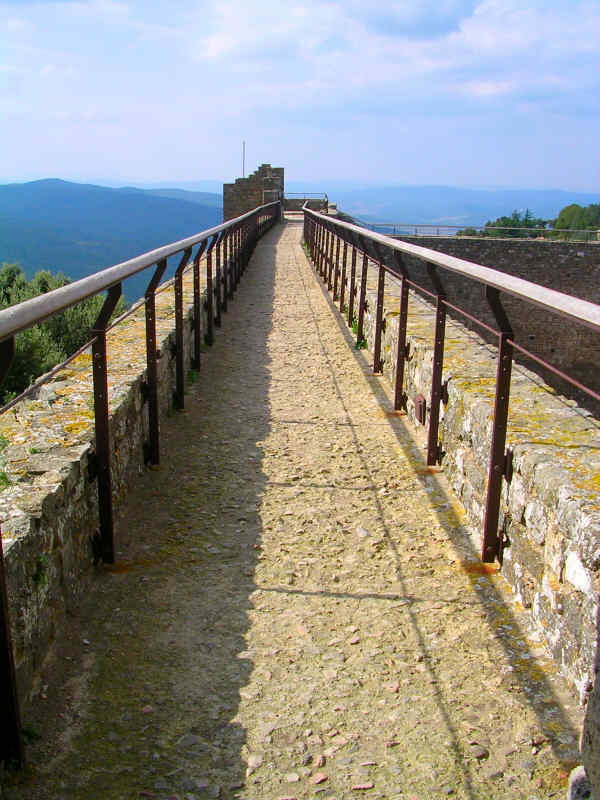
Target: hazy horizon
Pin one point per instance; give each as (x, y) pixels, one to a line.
(293, 184)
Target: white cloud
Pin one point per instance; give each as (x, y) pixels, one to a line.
(487, 88)
(15, 25)
(323, 66)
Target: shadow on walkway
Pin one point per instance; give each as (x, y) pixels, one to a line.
(146, 681)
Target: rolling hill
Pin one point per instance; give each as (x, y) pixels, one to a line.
(78, 229)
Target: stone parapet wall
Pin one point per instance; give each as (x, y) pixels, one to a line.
(569, 267)
(49, 503)
(550, 510)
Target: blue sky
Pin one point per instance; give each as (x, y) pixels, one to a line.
(455, 92)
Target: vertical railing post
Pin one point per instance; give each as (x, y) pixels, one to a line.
(362, 303)
(401, 354)
(241, 266)
(243, 256)
(343, 277)
(179, 394)
(11, 739)
(377, 361)
(326, 256)
(12, 750)
(336, 274)
(250, 241)
(243, 260)
(225, 272)
(209, 337)
(247, 248)
(152, 363)
(230, 267)
(197, 308)
(433, 446)
(101, 427)
(307, 233)
(492, 544)
(217, 284)
(7, 355)
(352, 288)
(234, 260)
(330, 261)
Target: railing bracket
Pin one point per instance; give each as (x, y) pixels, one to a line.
(444, 390)
(420, 409)
(508, 465)
(92, 466)
(440, 453)
(96, 546)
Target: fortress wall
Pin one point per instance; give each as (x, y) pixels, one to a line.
(49, 505)
(569, 267)
(550, 510)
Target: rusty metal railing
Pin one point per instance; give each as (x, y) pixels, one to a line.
(226, 250)
(293, 201)
(329, 242)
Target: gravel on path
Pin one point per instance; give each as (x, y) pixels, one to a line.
(297, 611)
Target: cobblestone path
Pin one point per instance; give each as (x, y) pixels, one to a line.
(297, 611)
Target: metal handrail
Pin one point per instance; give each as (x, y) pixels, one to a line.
(572, 307)
(232, 243)
(23, 315)
(324, 236)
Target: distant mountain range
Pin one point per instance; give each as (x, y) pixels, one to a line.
(78, 229)
(446, 205)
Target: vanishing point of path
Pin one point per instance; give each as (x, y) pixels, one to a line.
(296, 611)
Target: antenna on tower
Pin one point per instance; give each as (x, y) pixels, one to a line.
(243, 159)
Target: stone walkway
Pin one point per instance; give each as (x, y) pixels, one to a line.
(296, 611)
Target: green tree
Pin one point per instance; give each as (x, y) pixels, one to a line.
(515, 226)
(578, 218)
(42, 346)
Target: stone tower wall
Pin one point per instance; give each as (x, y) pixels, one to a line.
(262, 186)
